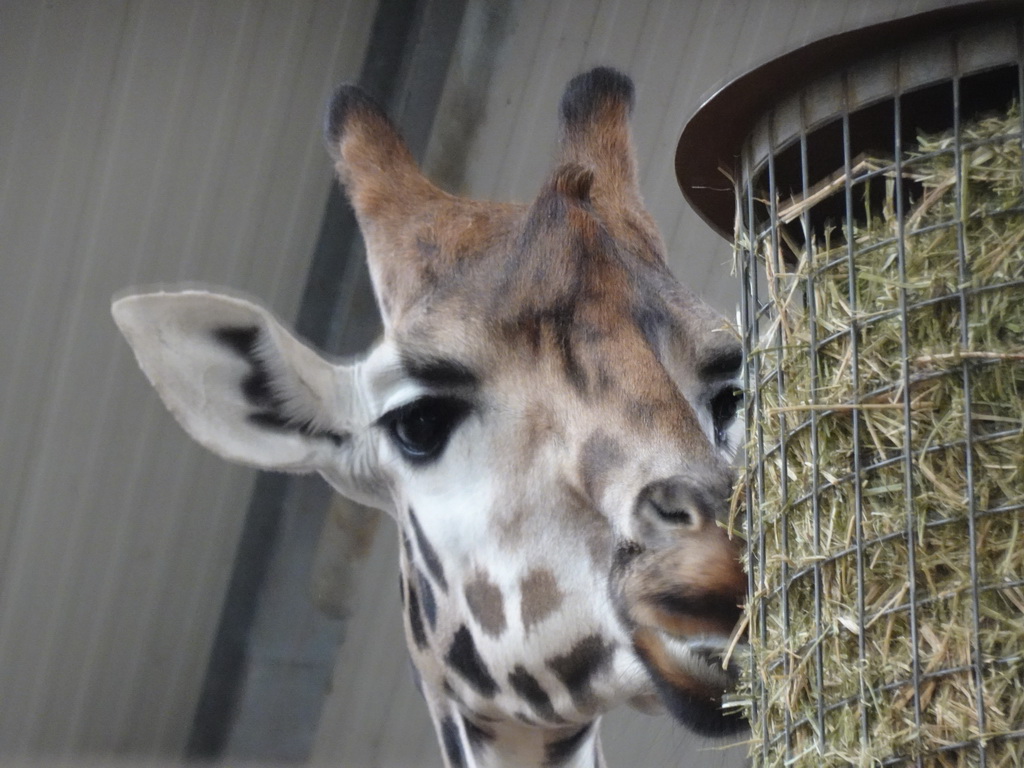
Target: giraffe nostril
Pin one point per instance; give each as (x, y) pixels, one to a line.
(678, 502)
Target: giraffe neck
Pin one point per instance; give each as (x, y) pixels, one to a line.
(467, 744)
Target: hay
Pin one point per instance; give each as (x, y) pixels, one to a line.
(839, 593)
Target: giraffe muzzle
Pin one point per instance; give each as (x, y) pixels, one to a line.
(682, 598)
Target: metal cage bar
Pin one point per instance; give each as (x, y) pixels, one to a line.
(851, 289)
(965, 374)
(908, 436)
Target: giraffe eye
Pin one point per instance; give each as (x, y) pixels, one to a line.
(420, 429)
(723, 411)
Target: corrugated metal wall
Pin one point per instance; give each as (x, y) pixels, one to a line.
(140, 141)
(165, 140)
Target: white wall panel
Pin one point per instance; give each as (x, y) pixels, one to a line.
(141, 141)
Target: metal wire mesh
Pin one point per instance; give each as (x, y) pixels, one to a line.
(884, 504)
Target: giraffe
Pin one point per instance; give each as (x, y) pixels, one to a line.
(546, 418)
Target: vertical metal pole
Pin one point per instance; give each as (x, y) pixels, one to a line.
(812, 361)
(748, 330)
(408, 52)
(755, 505)
(909, 508)
(964, 276)
(779, 345)
(858, 501)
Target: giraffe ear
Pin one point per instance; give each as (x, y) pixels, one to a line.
(237, 382)
(595, 112)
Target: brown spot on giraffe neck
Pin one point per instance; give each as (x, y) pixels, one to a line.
(510, 528)
(486, 603)
(464, 658)
(531, 691)
(577, 668)
(428, 553)
(540, 597)
(452, 743)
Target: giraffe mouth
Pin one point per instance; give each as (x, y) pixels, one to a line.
(713, 659)
(683, 607)
(692, 675)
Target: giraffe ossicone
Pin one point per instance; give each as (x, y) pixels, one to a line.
(546, 418)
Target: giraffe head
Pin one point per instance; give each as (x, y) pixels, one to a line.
(546, 418)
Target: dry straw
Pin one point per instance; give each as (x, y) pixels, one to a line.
(886, 467)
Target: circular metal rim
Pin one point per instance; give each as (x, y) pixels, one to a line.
(713, 136)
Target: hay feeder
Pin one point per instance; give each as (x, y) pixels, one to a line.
(877, 214)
